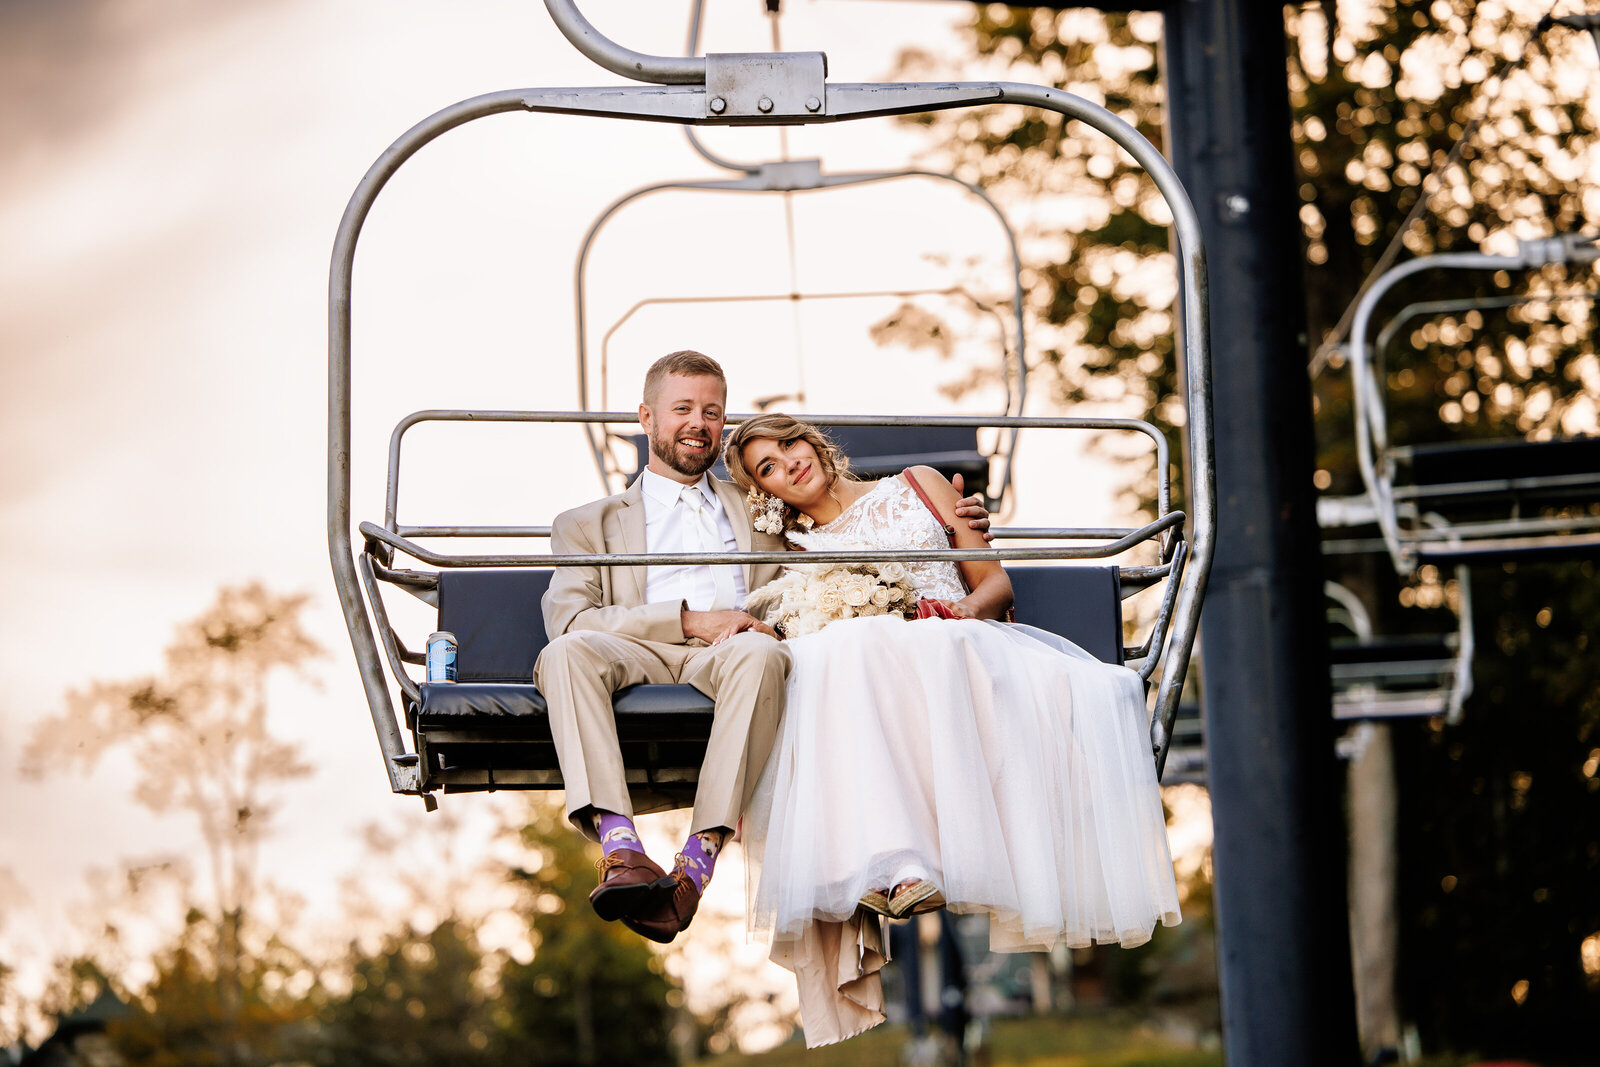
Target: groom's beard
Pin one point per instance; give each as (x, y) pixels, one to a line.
(685, 463)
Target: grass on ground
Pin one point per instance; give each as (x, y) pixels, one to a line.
(1076, 1040)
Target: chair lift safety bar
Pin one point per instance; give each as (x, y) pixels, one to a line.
(1471, 486)
(750, 89)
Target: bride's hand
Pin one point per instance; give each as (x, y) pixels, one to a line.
(971, 508)
(959, 609)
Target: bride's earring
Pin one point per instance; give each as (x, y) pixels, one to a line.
(766, 511)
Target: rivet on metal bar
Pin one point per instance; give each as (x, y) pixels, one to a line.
(766, 85)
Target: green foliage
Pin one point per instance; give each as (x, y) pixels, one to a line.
(1379, 102)
(420, 999)
(1082, 1039)
(1500, 830)
(200, 1010)
(1097, 273)
(594, 992)
(199, 733)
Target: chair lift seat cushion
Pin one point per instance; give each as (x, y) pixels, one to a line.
(499, 627)
(518, 711)
(1481, 461)
(1082, 604)
(491, 729)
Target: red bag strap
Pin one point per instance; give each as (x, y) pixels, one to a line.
(949, 530)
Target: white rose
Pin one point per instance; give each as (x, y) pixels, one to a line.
(880, 597)
(893, 571)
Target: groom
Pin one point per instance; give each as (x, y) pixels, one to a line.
(612, 627)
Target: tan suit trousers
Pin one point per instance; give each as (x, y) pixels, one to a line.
(745, 675)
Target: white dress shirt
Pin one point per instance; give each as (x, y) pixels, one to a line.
(670, 526)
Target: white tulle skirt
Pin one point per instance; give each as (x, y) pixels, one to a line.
(1000, 761)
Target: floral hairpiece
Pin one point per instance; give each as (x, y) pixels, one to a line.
(767, 513)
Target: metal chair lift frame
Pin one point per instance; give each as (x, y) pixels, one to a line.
(757, 89)
(1417, 539)
(1378, 679)
(790, 176)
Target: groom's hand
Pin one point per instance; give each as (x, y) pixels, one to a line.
(715, 627)
(971, 508)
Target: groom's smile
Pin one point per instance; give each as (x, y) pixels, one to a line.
(684, 422)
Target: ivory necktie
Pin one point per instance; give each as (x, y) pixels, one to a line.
(705, 526)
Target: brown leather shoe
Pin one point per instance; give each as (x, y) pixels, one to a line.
(627, 883)
(670, 910)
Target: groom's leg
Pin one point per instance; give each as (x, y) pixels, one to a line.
(746, 676)
(578, 673)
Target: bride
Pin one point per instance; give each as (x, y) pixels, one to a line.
(954, 760)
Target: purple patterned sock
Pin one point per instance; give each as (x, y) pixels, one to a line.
(700, 855)
(616, 831)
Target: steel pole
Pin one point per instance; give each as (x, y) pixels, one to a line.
(1279, 852)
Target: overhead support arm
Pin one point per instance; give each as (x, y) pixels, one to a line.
(662, 70)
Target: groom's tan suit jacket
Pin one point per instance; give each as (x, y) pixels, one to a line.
(612, 598)
(604, 636)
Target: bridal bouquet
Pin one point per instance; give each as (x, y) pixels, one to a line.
(808, 596)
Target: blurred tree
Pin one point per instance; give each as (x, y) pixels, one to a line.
(252, 1008)
(594, 992)
(200, 739)
(421, 999)
(1091, 225)
(1431, 125)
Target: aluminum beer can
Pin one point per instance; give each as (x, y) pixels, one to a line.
(442, 656)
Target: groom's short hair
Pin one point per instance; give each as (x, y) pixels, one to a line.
(687, 363)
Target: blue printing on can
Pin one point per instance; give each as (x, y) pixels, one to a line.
(442, 657)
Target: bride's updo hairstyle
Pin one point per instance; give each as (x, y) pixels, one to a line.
(781, 428)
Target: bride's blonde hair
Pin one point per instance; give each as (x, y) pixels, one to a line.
(776, 426)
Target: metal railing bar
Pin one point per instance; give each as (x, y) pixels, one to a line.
(1151, 650)
(1468, 531)
(386, 630)
(665, 70)
(473, 531)
(1495, 485)
(677, 559)
(416, 580)
(631, 418)
(1433, 551)
(1059, 533)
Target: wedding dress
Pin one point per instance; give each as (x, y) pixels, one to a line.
(997, 760)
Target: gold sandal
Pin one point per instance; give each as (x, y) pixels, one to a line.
(915, 898)
(877, 900)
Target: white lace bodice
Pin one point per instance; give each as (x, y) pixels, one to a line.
(889, 516)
